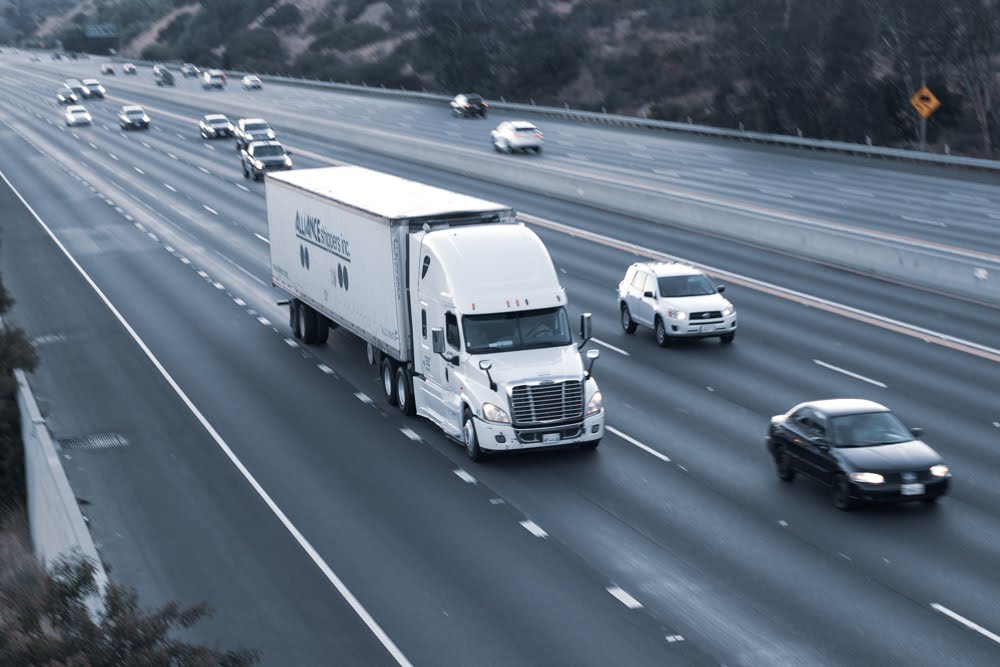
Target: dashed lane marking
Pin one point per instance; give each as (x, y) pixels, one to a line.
(171, 156)
(624, 597)
(671, 639)
(239, 302)
(263, 320)
(206, 171)
(210, 209)
(464, 476)
(218, 286)
(139, 170)
(170, 187)
(534, 528)
(326, 369)
(262, 238)
(363, 398)
(291, 342)
(411, 434)
(632, 441)
(242, 187)
(848, 373)
(203, 274)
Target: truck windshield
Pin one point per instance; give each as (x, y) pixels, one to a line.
(524, 330)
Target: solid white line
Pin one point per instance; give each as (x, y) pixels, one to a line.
(169, 187)
(326, 369)
(139, 170)
(210, 209)
(966, 622)
(242, 187)
(464, 476)
(239, 302)
(849, 373)
(263, 320)
(262, 238)
(291, 342)
(611, 347)
(534, 529)
(624, 597)
(629, 439)
(363, 398)
(331, 576)
(410, 433)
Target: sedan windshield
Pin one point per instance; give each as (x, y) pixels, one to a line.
(867, 429)
(136, 112)
(525, 330)
(256, 127)
(268, 151)
(694, 285)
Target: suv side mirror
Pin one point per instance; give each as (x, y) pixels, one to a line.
(649, 295)
(917, 432)
(721, 289)
(586, 328)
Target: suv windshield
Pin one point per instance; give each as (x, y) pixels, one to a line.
(268, 151)
(525, 330)
(135, 112)
(253, 127)
(218, 121)
(695, 285)
(867, 429)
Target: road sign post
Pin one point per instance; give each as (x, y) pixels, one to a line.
(926, 104)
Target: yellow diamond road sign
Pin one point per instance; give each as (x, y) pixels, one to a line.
(924, 102)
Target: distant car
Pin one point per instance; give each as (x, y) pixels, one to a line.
(66, 96)
(252, 129)
(858, 448)
(133, 117)
(128, 68)
(77, 115)
(517, 135)
(162, 75)
(469, 105)
(108, 69)
(82, 92)
(189, 70)
(56, 56)
(215, 126)
(213, 78)
(95, 88)
(263, 156)
(251, 83)
(35, 59)
(676, 301)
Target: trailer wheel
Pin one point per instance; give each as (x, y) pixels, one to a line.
(371, 354)
(322, 329)
(307, 324)
(404, 392)
(293, 318)
(389, 380)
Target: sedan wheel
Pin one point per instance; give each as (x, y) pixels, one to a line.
(783, 467)
(842, 494)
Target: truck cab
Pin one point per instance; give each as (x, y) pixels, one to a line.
(497, 366)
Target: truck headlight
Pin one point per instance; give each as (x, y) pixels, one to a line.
(676, 314)
(492, 413)
(940, 470)
(595, 404)
(867, 477)
(728, 310)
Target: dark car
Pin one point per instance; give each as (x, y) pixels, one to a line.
(263, 156)
(215, 126)
(108, 69)
(469, 105)
(859, 449)
(252, 129)
(133, 118)
(66, 96)
(162, 75)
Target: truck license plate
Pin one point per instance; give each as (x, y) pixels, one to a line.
(911, 489)
(550, 437)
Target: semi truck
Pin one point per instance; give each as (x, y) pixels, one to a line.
(458, 303)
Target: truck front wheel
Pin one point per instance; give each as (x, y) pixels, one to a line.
(469, 437)
(389, 380)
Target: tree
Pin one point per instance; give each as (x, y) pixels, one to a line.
(16, 351)
(974, 36)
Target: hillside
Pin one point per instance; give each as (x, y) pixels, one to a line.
(834, 69)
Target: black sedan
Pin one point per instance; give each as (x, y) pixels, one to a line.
(133, 118)
(859, 449)
(215, 126)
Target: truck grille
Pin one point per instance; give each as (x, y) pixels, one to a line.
(547, 403)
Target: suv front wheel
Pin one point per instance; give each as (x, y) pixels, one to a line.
(628, 324)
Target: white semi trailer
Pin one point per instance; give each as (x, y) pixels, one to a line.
(459, 304)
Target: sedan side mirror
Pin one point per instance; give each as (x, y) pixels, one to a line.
(821, 443)
(288, 152)
(721, 289)
(917, 432)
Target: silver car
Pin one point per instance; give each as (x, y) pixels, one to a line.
(517, 135)
(77, 115)
(675, 301)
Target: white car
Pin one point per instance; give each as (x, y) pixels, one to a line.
(77, 115)
(95, 87)
(251, 83)
(676, 301)
(128, 68)
(517, 135)
(213, 78)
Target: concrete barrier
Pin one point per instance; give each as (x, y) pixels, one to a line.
(57, 525)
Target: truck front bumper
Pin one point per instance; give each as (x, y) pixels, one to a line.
(504, 437)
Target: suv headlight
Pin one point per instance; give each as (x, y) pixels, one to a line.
(258, 164)
(492, 413)
(867, 477)
(595, 404)
(728, 310)
(676, 314)
(940, 470)
(288, 161)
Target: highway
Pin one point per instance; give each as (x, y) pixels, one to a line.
(271, 481)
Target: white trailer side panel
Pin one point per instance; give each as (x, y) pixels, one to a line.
(341, 261)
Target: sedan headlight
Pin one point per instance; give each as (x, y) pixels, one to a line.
(258, 164)
(676, 314)
(145, 119)
(867, 478)
(595, 404)
(728, 310)
(940, 470)
(288, 161)
(494, 414)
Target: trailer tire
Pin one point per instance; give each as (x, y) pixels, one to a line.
(404, 391)
(372, 354)
(389, 380)
(308, 324)
(322, 329)
(293, 318)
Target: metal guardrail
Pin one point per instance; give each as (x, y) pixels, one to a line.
(616, 120)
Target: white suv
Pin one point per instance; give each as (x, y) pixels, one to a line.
(676, 301)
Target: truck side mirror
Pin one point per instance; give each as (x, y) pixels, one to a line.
(592, 355)
(485, 365)
(437, 340)
(586, 328)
